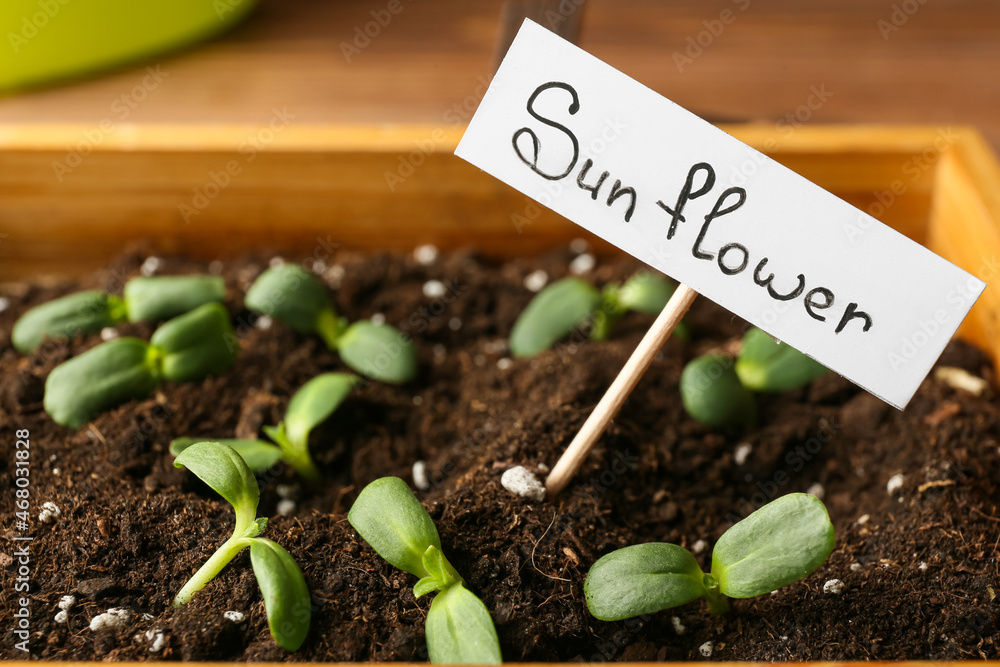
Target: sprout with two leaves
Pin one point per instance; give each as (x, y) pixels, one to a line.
(294, 296)
(184, 349)
(152, 298)
(779, 544)
(286, 597)
(389, 518)
(719, 392)
(570, 303)
(309, 407)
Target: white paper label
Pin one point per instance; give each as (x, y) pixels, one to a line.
(616, 158)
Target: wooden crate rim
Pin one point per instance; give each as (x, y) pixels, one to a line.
(183, 137)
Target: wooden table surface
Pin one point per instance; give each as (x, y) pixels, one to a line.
(856, 61)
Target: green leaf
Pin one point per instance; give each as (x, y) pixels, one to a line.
(297, 457)
(196, 344)
(606, 314)
(110, 374)
(258, 454)
(778, 544)
(65, 317)
(646, 292)
(389, 518)
(767, 365)
(712, 392)
(156, 298)
(224, 470)
(286, 597)
(313, 403)
(441, 573)
(460, 631)
(378, 351)
(642, 579)
(291, 294)
(552, 315)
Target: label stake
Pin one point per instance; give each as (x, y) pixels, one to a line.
(619, 390)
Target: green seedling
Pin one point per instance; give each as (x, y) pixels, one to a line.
(294, 296)
(309, 407)
(719, 392)
(148, 298)
(765, 364)
(393, 522)
(569, 303)
(286, 598)
(184, 349)
(777, 545)
(713, 394)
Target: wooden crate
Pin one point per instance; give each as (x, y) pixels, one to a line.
(71, 197)
(300, 190)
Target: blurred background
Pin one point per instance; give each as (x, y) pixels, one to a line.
(787, 62)
(205, 127)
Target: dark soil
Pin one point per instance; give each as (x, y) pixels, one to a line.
(919, 566)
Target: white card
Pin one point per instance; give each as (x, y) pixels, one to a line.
(871, 305)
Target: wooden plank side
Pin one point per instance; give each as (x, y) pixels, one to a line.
(201, 190)
(965, 229)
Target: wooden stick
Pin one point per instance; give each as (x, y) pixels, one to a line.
(560, 16)
(623, 385)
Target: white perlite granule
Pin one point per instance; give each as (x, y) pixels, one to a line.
(334, 275)
(156, 636)
(698, 546)
(425, 254)
(833, 587)
(959, 378)
(434, 289)
(50, 512)
(678, 626)
(705, 650)
(61, 616)
(4, 303)
(895, 483)
(742, 452)
(522, 482)
(582, 263)
(235, 616)
(66, 602)
(504, 363)
(286, 506)
(420, 476)
(112, 618)
(109, 333)
(150, 266)
(817, 490)
(536, 280)
(377, 318)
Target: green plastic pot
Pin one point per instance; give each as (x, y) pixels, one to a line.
(46, 40)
